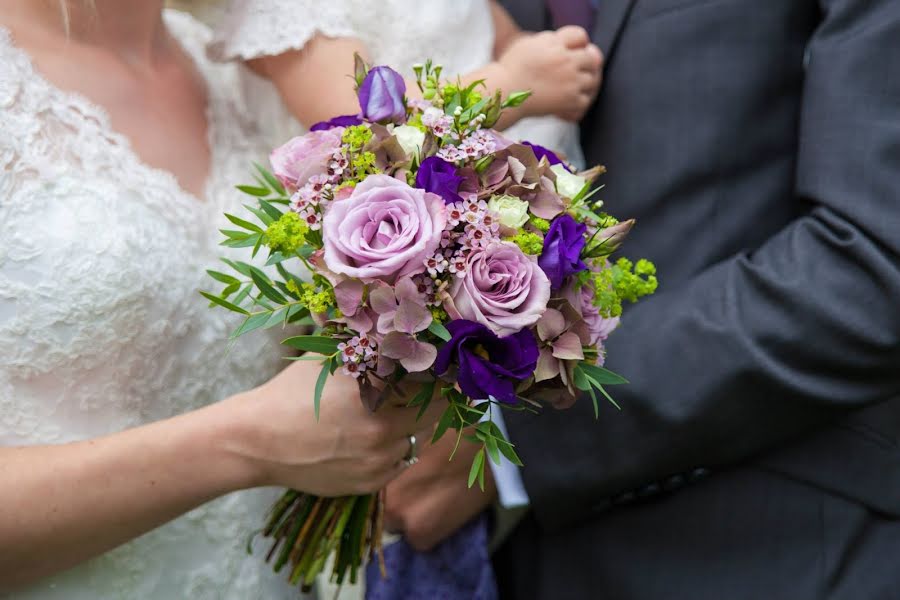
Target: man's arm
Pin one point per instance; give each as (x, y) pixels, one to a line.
(769, 344)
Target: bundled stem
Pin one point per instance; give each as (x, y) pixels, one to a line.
(307, 530)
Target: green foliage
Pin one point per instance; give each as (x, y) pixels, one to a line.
(623, 281)
(287, 234)
(356, 137)
(529, 242)
(591, 378)
(542, 225)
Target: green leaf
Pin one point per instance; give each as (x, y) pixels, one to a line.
(223, 277)
(477, 470)
(230, 289)
(266, 288)
(251, 240)
(277, 257)
(270, 210)
(224, 303)
(252, 190)
(447, 420)
(423, 398)
(493, 450)
(254, 321)
(313, 343)
(320, 385)
(242, 295)
(270, 179)
(242, 268)
(262, 215)
(601, 375)
(440, 331)
(243, 223)
(233, 234)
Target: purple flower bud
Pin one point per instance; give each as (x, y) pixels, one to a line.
(341, 121)
(381, 95)
(489, 366)
(541, 152)
(439, 177)
(563, 244)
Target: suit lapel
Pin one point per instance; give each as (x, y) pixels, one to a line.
(610, 19)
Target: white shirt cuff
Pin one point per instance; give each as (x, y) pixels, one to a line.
(507, 476)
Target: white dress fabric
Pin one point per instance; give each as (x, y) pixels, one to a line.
(458, 34)
(101, 324)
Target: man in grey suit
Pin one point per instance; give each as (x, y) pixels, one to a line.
(757, 452)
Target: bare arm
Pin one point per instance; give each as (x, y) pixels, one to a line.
(65, 504)
(506, 30)
(561, 69)
(62, 505)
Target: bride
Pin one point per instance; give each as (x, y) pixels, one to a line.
(306, 48)
(120, 474)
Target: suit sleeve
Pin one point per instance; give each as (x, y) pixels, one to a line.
(769, 344)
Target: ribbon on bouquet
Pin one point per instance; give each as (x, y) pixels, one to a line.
(459, 567)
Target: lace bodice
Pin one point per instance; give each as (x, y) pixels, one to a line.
(459, 34)
(101, 325)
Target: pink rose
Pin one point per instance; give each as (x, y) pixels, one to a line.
(598, 326)
(383, 231)
(304, 156)
(501, 288)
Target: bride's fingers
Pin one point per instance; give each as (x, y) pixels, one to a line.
(590, 59)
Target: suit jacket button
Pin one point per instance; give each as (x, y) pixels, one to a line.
(651, 489)
(623, 498)
(673, 483)
(698, 475)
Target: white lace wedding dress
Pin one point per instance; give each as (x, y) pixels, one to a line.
(101, 325)
(458, 34)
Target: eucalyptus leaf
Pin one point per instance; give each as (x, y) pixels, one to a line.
(476, 472)
(601, 375)
(252, 190)
(224, 303)
(270, 179)
(266, 288)
(320, 385)
(313, 343)
(228, 279)
(244, 223)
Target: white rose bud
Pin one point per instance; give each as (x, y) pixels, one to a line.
(568, 185)
(411, 138)
(511, 211)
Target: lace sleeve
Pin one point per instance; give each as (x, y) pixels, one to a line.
(254, 28)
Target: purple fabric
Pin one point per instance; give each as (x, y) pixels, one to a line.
(458, 569)
(571, 12)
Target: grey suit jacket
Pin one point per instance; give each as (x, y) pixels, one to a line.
(757, 142)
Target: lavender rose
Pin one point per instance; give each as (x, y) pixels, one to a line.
(489, 366)
(304, 156)
(383, 231)
(381, 95)
(501, 288)
(561, 256)
(339, 121)
(439, 177)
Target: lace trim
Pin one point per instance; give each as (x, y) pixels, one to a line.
(255, 28)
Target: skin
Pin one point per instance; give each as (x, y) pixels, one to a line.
(81, 499)
(561, 68)
(428, 503)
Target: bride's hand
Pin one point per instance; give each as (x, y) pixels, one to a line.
(350, 450)
(561, 68)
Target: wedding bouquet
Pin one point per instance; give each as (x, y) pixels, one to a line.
(427, 248)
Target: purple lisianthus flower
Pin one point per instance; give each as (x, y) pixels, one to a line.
(381, 95)
(439, 177)
(341, 121)
(489, 366)
(561, 256)
(541, 152)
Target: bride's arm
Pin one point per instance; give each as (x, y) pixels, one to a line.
(61, 505)
(562, 69)
(506, 30)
